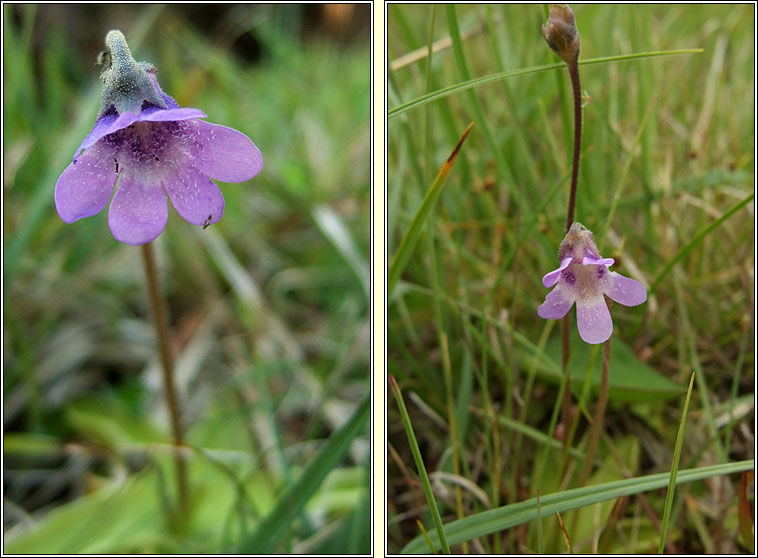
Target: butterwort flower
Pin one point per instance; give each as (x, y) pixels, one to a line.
(147, 148)
(583, 277)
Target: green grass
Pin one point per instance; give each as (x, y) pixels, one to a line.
(420, 467)
(675, 469)
(666, 183)
(269, 308)
(498, 519)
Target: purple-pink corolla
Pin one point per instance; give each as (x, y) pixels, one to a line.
(153, 148)
(583, 277)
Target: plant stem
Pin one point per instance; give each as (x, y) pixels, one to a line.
(566, 405)
(597, 423)
(573, 68)
(674, 469)
(158, 304)
(433, 509)
(447, 370)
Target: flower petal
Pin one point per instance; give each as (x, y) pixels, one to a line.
(223, 153)
(593, 320)
(98, 131)
(85, 187)
(552, 278)
(624, 290)
(592, 260)
(557, 303)
(138, 212)
(170, 102)
(110, 122)
(194, 196)
(171, 115)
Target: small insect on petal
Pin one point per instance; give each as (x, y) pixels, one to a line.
(207, 222)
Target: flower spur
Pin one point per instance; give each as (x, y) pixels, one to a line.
(148, 148)
(583, 277)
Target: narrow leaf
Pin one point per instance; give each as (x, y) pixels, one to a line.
(276, 524)
(403, 254)
(504, 517)
(698, 237)
(440, 541)
(476, 82)
(674, 469)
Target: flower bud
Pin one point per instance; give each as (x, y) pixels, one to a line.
(126, 84)
(561, 33)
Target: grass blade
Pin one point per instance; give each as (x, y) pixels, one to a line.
(533, 433)
(698, 237)
(503, 168)
(565, 534)
(504, 517)
(540, 549)
(332, 225)
(476, 82)
(276, 524)
(425, 539)
(674, 469)
(413, 233)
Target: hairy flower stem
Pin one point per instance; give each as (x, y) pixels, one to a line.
(597, 421)
(158, 304)
(562, 37)
(573, 68)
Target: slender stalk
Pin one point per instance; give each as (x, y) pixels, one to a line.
(540, 549)
(575, 421)
(597, 423)
(674, 469)
(566, 405)
(433, 509)
(562, 37)
(446, 367)
(573, 68)
(158, 304)
(736, 377)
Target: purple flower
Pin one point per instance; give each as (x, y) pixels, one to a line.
(152, 148)
(583, 277)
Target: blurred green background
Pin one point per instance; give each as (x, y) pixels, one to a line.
(668, 150)
(269, 308)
